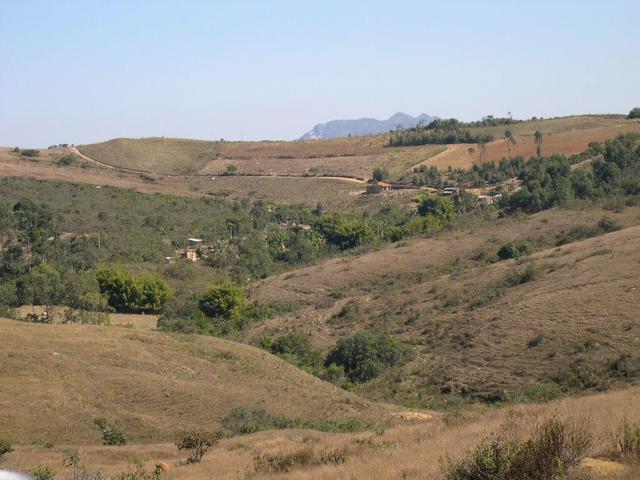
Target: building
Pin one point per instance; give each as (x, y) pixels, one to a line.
(378, 187)
(489, 199)
(189, 254)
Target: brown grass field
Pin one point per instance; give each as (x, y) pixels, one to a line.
(152, 384)
(413, 450)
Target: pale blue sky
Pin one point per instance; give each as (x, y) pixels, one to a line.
(85, 71)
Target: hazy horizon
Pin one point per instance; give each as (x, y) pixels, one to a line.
(81, 72)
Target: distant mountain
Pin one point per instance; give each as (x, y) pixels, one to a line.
(363, 126)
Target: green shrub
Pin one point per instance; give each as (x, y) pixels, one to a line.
(133, 293)
(551, 452)
(41, 472)
(542, 392)
(30, 152)
(579, 232)
(5, 447)
(297, 349)
(380, 173)
(628, 441)
(66, 160)
(521, 275)
(225, 301)
(111, 433)
(515, 249)
(242, 421)
(440, 208)
(608, 224)
(366, 354)
(198, 443)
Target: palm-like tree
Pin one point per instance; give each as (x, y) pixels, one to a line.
(509, 138)
(537, 138)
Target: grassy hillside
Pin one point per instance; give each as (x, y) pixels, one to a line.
(151, 384)
(473, 336)
(355, 157)
(414, 451)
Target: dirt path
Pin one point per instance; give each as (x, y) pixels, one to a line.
(77, 152)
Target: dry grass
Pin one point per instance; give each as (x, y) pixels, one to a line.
(411, 451)
(430, 293)
(57, 378)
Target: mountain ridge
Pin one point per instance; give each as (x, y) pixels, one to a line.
(363, 126)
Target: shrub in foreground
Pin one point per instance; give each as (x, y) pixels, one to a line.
(198, 443)
(5, 447)
(551, 452)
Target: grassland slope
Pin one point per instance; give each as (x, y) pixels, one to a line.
(57, 378)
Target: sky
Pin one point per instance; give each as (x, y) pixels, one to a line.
(86, 71)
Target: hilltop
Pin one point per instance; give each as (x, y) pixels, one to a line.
(363, 126)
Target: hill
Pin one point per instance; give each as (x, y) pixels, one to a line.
(151, 384)
(363, 126)
(478, 333)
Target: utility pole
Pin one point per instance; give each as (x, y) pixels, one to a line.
(164, 140)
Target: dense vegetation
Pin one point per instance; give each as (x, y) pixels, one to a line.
(550, 181)
(437, 132)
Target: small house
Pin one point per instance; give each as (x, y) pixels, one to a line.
(378, 187)
(190, 254)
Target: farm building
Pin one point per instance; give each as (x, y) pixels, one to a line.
(378, 187)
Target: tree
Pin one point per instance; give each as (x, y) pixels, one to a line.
(365, 354)
(111, 433)
(482, 149)
(231, 169)
(537, 138)
(42, 286)
(634, 113)
(198, 443)
(438, 207)
(509, 138)
(129, 293)
(226, 301)
(380, 173)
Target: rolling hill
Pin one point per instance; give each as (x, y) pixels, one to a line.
(152, 384)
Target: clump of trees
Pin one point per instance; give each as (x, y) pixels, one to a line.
(439, 131)
(365, 355)
(634, 113)
(550, 181)
(126, 292)
(380, 173)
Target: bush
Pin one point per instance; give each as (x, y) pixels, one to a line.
(438, 207)
(111, 433)
(628, 441)
(5, 447)
(608, 224)
(522, 275)
(198, 443)
(365, 354)
(66, 160)
(225, 301)
(242, 421)
(380, 173)
(515, 249)
(297, 349)
(130, 293)
(42, 472)
(634, 113)
(550, 453)
(30, 152)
